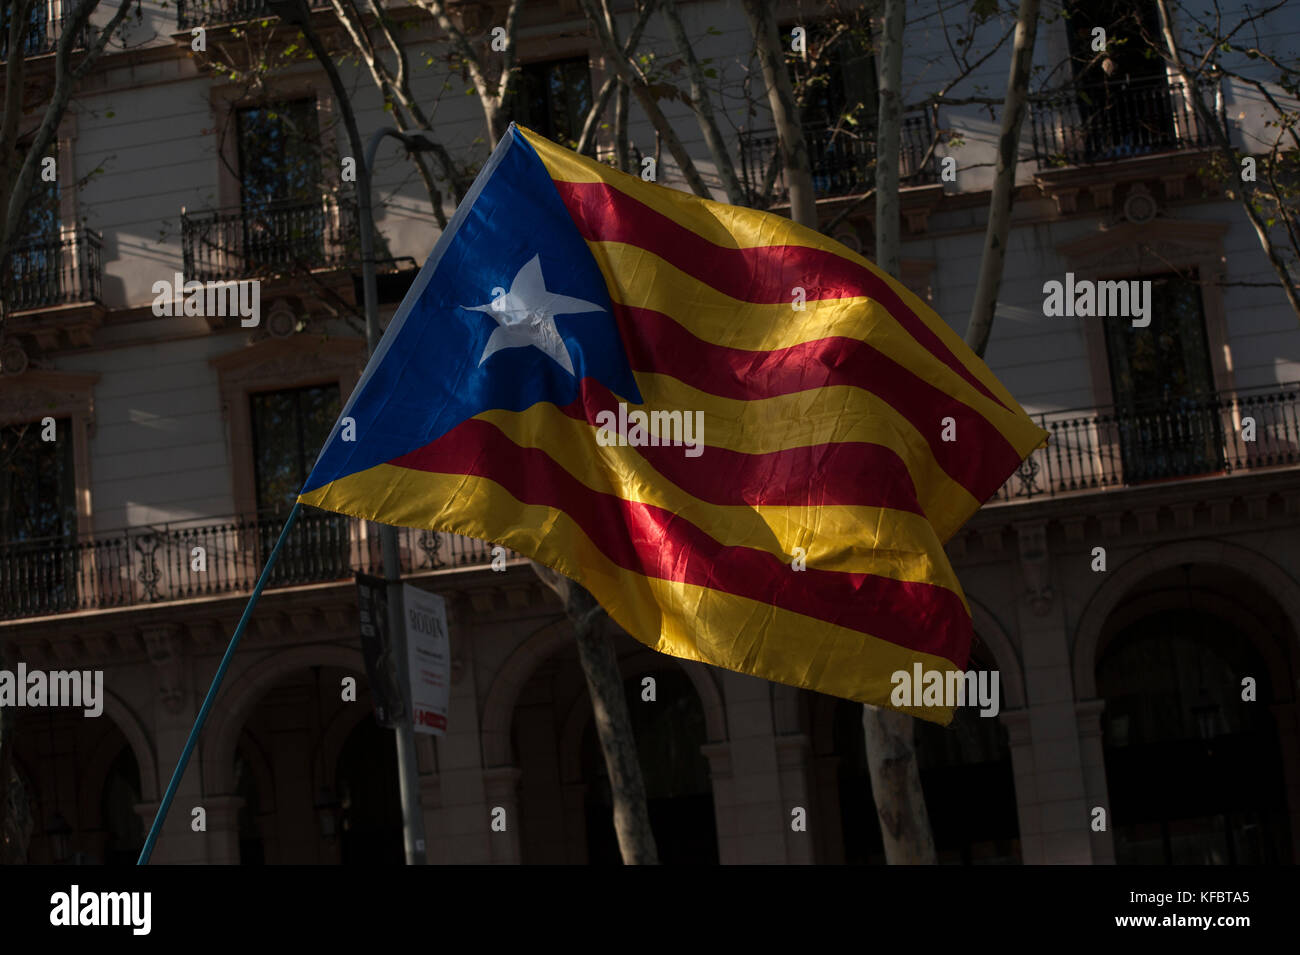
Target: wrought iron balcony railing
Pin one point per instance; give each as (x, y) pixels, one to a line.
(1090, 451)
(1218, 433)
(200, 13)
(273, 238)
(1108, 121)
(148, 565)
(56, 270)
(843, 160)
(45, 27)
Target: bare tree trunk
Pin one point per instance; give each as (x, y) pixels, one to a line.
(889, 735)
(1004, 184)
(612, 82)
(629, 77)
(896, 785)
(493, 95)
(1245, 190)
(703, 107)
(622, 146)
(785, 113)
(636, 841)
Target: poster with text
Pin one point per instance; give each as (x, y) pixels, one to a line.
(428, 651)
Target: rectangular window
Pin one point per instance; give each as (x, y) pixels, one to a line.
(553, 98)
(37, 482)
(279, 152)
(38, 517)
(1124, 96)
(280, 182)
(35, 265)
(37, 39)
(835, 79)
(289, 429)
(1166, 408)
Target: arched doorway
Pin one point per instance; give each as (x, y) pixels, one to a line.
(297, 751)
(669, 734)
(966, 777)
(123, 827)
(1194, 772)
(370, 824)
(562, 787)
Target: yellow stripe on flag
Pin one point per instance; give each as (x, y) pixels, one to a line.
(811, 653)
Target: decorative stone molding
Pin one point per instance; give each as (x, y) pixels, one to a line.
(164, 646)
(1036, 566)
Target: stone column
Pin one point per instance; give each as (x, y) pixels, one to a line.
(174, 711)
(501, 786)
(792, 761)
(223, 828)
(761, 814)
(1053, 727)
(1088, 713)
(1022, 769)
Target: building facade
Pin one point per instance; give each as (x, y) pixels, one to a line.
(1136, 585)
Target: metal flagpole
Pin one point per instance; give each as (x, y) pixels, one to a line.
(170, 794)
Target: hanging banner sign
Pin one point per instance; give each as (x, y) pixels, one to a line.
(428, 650)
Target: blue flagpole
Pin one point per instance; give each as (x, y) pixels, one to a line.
(170, 794)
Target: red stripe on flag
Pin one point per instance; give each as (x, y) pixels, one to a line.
(654, 542)
(853, 473)
(763, 275)
(655, 342)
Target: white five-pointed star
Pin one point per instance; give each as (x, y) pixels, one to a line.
(526, 316)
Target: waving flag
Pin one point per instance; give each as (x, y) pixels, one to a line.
(744, 439)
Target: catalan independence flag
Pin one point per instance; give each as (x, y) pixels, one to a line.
(744, 439)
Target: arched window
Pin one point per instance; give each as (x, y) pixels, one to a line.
(1194, 772)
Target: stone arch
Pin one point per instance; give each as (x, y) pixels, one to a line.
(333, 737)
(499, 707)
(116, 709)
(1011, 676)
(249, 687)
(1279, 585)
(100, 761)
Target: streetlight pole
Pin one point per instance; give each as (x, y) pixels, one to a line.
(408, 772)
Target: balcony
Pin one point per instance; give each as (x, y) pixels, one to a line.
(55, 270)
(210, 13)
(44, 30)
(143, 566)
(1093, 450)
(1117, 121)
(277, 238)
(843, 160)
